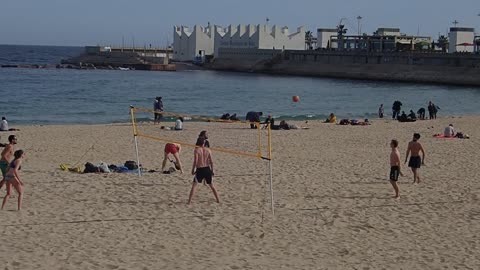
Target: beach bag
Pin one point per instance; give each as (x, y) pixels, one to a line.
(90, 168)
(131, 165)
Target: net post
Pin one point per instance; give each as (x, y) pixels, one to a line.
(134, 127)
(138, 159)
(257, 124)
(271, 168)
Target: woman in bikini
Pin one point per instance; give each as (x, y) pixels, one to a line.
(12, 178)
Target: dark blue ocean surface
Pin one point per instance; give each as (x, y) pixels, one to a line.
(60, 96)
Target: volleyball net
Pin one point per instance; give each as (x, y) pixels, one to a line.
(226, 136)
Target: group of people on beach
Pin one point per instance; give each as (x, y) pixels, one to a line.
(10, 166)
(411, 117)
(202, 168)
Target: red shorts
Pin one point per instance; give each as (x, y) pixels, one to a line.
(171, 148)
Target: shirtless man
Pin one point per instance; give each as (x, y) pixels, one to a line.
(6, 157)
(414, 149)
(395, 169)
(202, 168)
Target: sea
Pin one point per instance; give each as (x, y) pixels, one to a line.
(67, 96)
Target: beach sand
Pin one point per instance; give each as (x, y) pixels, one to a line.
(334, 204)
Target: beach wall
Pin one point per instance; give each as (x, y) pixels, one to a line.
(462, 69)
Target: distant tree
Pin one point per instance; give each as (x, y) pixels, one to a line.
(442, 42)
(309, 40)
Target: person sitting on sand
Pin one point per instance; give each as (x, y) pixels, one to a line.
(225, 116)
(269, 121)
(331, 119)
(179, 124)
(283, 125)
(173, 149)
(234, 117)
(412, 115)
(395, 170)
(449, 131)
(4, 126)
(204, 135)
(6, 157)
(415, 162)
(202, 169)
(12, 178)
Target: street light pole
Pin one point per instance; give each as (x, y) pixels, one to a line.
(359, 18)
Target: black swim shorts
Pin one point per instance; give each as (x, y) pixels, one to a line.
(415, 162)
(158, 116)
(203, 173)
(394, 173)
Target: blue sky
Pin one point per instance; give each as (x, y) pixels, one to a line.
(91, 22)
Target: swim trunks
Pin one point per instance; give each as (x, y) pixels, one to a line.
(415, 162)
(203, 173)
(171, 148)
(394, 172)
(3, 167)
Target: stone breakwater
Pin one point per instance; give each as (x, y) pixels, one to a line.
(461, 69)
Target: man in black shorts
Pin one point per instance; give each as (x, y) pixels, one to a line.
(395, 167)
(415, 162)
(202, 168)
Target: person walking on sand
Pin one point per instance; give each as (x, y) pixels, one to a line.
(157, 106)
(414, 149)
(395, 170)
(6, 157)
(202, 168)
(12, 178)
(173, 149)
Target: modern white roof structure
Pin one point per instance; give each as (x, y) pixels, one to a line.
(187, 45)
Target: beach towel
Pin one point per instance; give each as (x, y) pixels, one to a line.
(441, 136)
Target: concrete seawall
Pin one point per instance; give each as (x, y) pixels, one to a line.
(450, 69)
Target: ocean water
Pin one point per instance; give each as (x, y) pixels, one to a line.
(64, 96)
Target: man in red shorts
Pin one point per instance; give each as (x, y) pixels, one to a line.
(173, 149)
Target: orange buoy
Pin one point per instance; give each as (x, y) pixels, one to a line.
(295, 98)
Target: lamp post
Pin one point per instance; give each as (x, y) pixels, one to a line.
(359, 18)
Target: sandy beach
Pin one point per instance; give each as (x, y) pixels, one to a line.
(334, 205)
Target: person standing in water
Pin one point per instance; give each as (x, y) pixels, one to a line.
(415, 162)
(380, 111)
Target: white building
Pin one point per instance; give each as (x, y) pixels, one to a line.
(323, 37)
(384, 31)
(461, 39)
(258, 37)
(187, 45)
